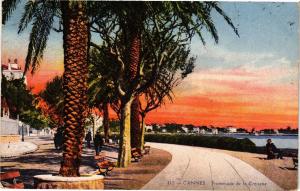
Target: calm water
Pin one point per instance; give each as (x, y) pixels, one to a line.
(279, 141)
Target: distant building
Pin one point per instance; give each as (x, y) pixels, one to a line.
(202, 131)
(232, 130)
(276, 131)
(148, 128)
(214, 131)
(185, 129)
(13, 70)
(196, 130)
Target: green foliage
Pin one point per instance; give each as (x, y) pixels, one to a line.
(54, 98)
(173, 127)
(35, 119)
(8, 6)
(53, 94)
(42, 16)
(101, 88)
(18, 98)
(114, 125)
(22, 102)
(227, 143)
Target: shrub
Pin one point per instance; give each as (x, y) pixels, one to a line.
(228, 143)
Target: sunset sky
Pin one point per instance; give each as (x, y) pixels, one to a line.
(249, 81)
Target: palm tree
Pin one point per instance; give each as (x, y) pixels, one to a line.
(191, 17)
(185, 19)
(75, 43)
(75, 38)
(101, 91)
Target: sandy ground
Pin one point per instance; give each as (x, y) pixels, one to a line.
(46, 160)
(281, 171)
(138, 173)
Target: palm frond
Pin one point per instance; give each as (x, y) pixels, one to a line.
(42, 26)
(227, 19)
(29, 10)
(8, 6)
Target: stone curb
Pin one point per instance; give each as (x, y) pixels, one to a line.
(21, 153)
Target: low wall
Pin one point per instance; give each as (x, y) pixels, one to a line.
(9, 126)
(10, 138)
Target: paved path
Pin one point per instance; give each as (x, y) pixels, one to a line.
(196, 168)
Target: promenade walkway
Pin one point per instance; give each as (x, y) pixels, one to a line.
(196, 168)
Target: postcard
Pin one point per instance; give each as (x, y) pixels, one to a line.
(150, 95)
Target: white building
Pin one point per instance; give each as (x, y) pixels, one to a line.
(196, 130)
(214, 131)
(202, 131)
(185, 129)
(13, 70)
(148, 128)
(232, 130)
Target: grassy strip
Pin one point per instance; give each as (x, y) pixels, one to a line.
(227, 143)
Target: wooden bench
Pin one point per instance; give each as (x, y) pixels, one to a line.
(136, 154)
(10, 179)
(104, 165)
(147, 149)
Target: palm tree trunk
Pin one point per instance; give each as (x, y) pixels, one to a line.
(106, 122)
(135, 123)
(142, 135)
(75, 38)
(124, 157)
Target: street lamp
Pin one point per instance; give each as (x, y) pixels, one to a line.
(22, 133)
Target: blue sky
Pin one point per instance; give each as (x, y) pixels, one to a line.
(263, 28)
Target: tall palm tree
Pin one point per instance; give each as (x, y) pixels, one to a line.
(75, 38)
(135, 123)
(75, 43)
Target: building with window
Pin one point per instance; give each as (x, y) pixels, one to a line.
(12, 70)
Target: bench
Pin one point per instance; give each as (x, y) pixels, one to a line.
(104, 165)
(136, 154)
(295, 161)
(147, 149)
(10, 179)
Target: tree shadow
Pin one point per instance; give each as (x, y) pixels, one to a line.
(262, 158)
(288, 168)
(28, 174)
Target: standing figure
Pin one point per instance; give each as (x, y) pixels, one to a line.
(58, 139)
(98, 142)
(88, 139)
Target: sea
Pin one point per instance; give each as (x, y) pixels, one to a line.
(280, 141)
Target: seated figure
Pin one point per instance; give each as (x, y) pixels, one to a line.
(272, 151)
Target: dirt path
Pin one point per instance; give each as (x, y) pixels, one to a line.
(138, 174)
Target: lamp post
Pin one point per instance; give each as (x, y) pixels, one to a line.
(22, 133)
(20, 124)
